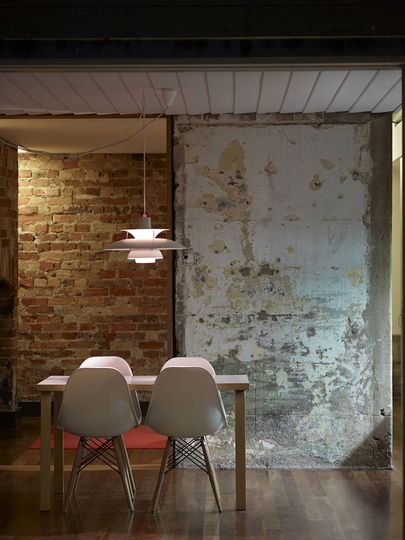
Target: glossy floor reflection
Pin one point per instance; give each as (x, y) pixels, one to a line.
(281, 504)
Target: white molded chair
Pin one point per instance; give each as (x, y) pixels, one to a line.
(108, 361)
(123, 367)
(97, 406)
(186, 404)
(190, 361)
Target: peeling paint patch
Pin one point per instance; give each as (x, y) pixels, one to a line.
(356, 276)
(192, 159)
(327, 164)
(270, 168)
(311, 331)
(282, 382)
(218, 246)
(201, 280)
(316, 183)
(232, 158)
(292, 217)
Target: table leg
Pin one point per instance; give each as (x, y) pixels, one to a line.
(240, 450)
(45, 453)
(59, 451)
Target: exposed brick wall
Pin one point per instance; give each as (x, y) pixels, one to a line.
(76, 300)
(8, 275)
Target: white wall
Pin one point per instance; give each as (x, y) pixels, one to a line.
(397, 229)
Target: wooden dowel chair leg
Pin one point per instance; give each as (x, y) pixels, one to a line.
(211, 473)
(75, 472)
(123, 471)
(162, 471)
(76, 485)
(128, 465)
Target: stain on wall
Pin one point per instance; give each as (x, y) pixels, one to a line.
(286, 278)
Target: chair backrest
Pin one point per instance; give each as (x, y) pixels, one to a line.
(108, 361)
(190, 361)
(97, 403)
(123, 367)
(185, 402)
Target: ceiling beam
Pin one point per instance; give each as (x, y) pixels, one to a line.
(172, 54)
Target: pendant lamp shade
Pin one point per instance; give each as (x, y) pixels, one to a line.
(153, 243)
(142, 242)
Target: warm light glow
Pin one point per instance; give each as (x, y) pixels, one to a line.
(144, 234)
(144, 255)
(145, 260)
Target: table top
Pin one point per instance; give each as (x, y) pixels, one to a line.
(231, 383)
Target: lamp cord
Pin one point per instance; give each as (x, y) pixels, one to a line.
(111, 142)
(144, 155)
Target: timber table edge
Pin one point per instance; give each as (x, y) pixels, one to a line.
(226, 383)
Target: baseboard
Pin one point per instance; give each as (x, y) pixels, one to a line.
(32, 409)
(10, 419)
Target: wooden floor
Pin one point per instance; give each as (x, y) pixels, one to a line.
(282, 504)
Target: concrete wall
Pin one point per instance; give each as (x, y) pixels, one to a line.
(75, 299)
(8, 276)
(287, 279)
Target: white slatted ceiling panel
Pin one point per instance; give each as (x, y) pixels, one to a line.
(299, 90)
(247, 90)
(11, 107)
(116, 92)
(274, 86)
(382, 83)
(194, 90)
(89, 90)
(43, 97)
(16, 96)
(67, 94)
(351, 89)
(199, 92)
(394, 95)
(327, 85)
(220, 91)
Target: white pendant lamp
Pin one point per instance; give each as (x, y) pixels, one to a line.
(142, 242)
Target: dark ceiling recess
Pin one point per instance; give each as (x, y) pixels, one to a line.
(171, 19)
(201, 31)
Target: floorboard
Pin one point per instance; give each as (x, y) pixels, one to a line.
(281, 504)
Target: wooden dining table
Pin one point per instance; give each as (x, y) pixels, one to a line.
(55, 385)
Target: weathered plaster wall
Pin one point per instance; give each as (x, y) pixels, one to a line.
(286, 278)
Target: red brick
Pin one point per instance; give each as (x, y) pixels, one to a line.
(35, 301)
